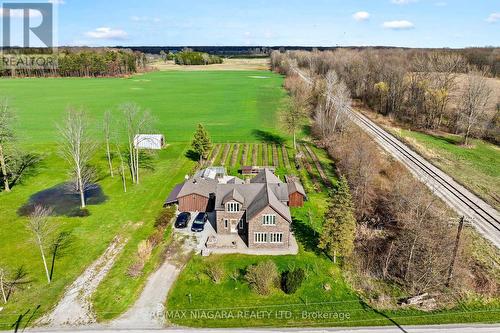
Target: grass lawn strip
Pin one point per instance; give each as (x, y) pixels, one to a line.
(214, 154)
(276, 160)
(255, 153)
(225, 154)
(234, 158)
(244, 155)
(318, 165)
(260, 155)
(286, 159)
(265, 155)
(306, 164)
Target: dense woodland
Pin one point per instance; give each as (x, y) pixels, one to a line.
(76, 62)
(424, 90)
(405, 237)
(189, 57)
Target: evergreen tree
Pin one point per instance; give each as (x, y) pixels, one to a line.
(337, 237)
(201, 142)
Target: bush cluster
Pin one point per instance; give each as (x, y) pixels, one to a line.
(215, 272)
(165, 217)
(263, 277)
(292, 280)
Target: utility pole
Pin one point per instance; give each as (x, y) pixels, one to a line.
(455, 251)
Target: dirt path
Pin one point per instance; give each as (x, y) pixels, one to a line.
(75, 308)
(148, 311)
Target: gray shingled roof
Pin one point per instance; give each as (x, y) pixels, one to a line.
(234, 195)
(265, 176)
(236, 180)
(264, 190)
(256, 197)
(247, 191)
(295, 186)
(173, 196)
(200, 186)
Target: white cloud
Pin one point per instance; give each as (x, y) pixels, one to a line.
(107, 33)
(361, 16)
(403, 2)
(494, 17)
(19, 13)
(398, 25)
(440, 4)
(57, 2)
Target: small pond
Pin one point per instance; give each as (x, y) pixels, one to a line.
(64, 200)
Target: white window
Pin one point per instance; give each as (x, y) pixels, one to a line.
(269, 219)
(226, 223)
(260, 237)
(276, 237)
(232, 207)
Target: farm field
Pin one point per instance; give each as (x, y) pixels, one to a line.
(231, 104)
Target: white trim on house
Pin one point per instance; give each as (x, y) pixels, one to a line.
(260, 237)
(269, 220)
(233, 207)
(276, 237)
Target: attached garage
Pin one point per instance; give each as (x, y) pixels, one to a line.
(194, 195)
(193, 203)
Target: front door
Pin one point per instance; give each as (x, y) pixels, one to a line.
(234, 226)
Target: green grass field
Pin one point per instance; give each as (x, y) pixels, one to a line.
(232, 303)
(232, 105)
(130, 215)
(477, 167)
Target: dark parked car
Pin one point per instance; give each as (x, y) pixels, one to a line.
(199, 222)
(182, 220)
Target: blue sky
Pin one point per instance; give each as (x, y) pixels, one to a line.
(412, 23)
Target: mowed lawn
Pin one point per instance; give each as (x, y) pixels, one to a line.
(130, 215)
(477, 167)
(232, 105)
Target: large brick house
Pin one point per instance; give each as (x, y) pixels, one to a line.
(258, 211)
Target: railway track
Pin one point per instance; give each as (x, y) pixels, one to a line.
(483, 217)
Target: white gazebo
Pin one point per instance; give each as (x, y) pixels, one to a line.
(149, 141)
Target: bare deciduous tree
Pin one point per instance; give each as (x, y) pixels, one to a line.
(39, 225)
(137, 121)
(292, 117)
(6, 136)
(122, 168)
(107, 136)
(335, 104)
(473, 102)
(77, 148)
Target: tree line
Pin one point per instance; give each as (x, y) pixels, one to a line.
(189, 57)
(384, 224)
(425, 90)
(75, 63)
